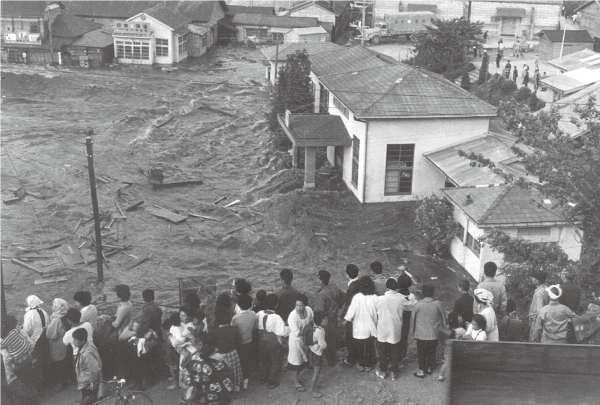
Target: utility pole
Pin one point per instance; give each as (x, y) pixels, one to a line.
(364, 21)
(276, 61)
(90, 156)
(4, 310)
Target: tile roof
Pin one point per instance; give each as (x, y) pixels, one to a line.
(169, 17)
(109, 9)
(249, 10)
(23, 8)
(274, 20)
(313, 48)
(197, 11)
(576, 60)
(566, 108)
(317, 130)
(570, 35)
(323, 4)
(402, 91)
(344, 60)
(574, 80)
(95, 39)
(71, 26)
(503, 205)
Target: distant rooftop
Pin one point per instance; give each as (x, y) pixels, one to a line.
(344, 60)
(313, 48)
(576, 60)
(274, 21)
(70, 26)
(569, 35)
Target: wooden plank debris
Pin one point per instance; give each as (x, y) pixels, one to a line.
(114, 252)
(166, 183)
(242, 227)
(192, 213)
(232, 204)
(134, 206)
(168, 215)
(20, 263)
(165, 121)
(70, 254)
(119, 208)
(36, 195)
(11, 200)
(218, 200)
(77, 226)
(47, 280)
(140, 262)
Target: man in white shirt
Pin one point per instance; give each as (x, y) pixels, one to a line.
(89, 313)
(271, 330)
(390, 310)
(73, 317)
(352, 275)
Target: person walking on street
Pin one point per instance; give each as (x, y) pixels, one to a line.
(515, 75)
(551, 324)
(539, 300)
(329, 299)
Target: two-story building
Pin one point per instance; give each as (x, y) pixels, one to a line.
(158, 35)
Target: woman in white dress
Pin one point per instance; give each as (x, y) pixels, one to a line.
(484, 299)
(298, 320)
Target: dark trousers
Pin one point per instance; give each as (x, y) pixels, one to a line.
(88, 392)
(363, 351)
(147, 367)
(389, 356)
(331, 339)
(404, 335)
(349, 343)
(426, 354)
(247, 358)
(59, 371)
(270, 358)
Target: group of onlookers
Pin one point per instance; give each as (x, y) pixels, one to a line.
(212, 361)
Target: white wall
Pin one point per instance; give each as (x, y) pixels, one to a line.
(315, 12)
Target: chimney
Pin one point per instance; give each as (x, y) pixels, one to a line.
(331, 5)
(469, 200)
(287, 118)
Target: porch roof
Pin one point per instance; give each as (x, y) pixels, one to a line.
(315, 130)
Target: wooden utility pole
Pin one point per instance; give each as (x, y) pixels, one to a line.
(4, 310)
(90, 156)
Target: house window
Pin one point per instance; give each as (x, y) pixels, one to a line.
(162, 47)
(134, 50)
(257, 32)
(534, 231)
(204, 41)
(399, 169)
(118, 25)
(182, 44)
(473, 244)
(460, 232)
(338, 104)
(355, 156)
(34, 27)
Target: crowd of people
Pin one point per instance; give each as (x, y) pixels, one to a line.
(213, 361)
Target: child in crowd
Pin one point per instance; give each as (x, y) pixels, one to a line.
(454, 323)
(476, 329)
(227, 340)
(315, 355)
(261, 296)
(182, 337)
(88, 366)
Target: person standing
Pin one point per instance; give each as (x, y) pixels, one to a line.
(484, 299)
(571, 296)
(552, 321)
(510, 327)
(378, 278)
(148, 363)
(298, 321)
(17, 352)
(35, 323)
(497, 288)
(427, 317)
(88, 366)
(390, 310)
(228, 339)
(404, 284)
(515, 75)
(353, 289)
(328, 300)
(498, 58)
(124, 309)
(501, 47)
(73, 318)
(539, 300)
(464, 306)
(536, 78)
(271, 331)
(363, 315)
(89, 313)
(526, 78)
(587, 326)
(59, 359)
(474, 51)
(316, 347)
(245, 322)
(507, 68)
(287, 295)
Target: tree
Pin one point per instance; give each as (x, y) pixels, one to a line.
(435, 220)
(484, 70)
(465, 82)
(443, 44)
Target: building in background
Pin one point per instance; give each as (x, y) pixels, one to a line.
(588, 18)
(336, 14)
(304, 35)
(556, 43)
(261, 28)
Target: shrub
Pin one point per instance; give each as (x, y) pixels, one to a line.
(465, 82)
(435, 220)
(523, 94)
(508, 87)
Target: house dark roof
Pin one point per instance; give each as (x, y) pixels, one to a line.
(336, 7)
(197, 11)
(71, 26)
(274, 21)
(23, 8)
(316, 130)
(313, 48)
(109, 9)
(584, 5)
(504, 205)
(169, 17)
(94, 39)
(344, 60)
(249, 10)
(570, 35)
(402, 91)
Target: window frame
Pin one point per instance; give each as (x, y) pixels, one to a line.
(473, 245)
(460, 232)
(182, 44)
(400, 171)
(159, 48)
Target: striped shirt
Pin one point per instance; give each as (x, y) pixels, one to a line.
(16, 343)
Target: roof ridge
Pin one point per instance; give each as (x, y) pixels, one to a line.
(396, 83)
(494, 204)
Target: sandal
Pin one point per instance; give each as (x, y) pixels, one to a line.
(300, 389)
(419, 375)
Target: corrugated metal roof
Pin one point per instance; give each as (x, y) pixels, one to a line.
(95, 39)
(23, 8)
(313, 48)
(395, 91)
(344, 60)
(309, 30)
(71, 26)
(318, 130)
(570, 35)
(274, 21)
(109, 9)
(249, 10)
(576, 60)
(503, 205)
(574, 80)
(566, 109)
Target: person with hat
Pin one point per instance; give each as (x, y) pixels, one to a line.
(552, 322)
(484, 300)
(329, 299)
(35, 324)
(539, 300)
(390, 310)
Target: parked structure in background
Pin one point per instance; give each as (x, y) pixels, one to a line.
(262, 29)
(394, 25)
(507, 17)
(304, 35)
(81, 41)
(333, 15)
(588, 18)
(515, 211)
(552, 46)
(158, 35)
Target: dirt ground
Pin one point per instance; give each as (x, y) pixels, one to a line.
(217, 134)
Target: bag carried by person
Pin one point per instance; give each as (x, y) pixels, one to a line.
(41, 352)
(308, 334)
(267, 336)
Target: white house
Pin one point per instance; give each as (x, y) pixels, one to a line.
(304, 35)
(395, 114)
(334, 14)
(157, 35)
(512, 210)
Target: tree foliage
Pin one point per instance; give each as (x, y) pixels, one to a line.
(435, 220)
(484, 70)
(443, 44)
(465, 82)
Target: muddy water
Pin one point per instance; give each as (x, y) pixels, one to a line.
(217, 134)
